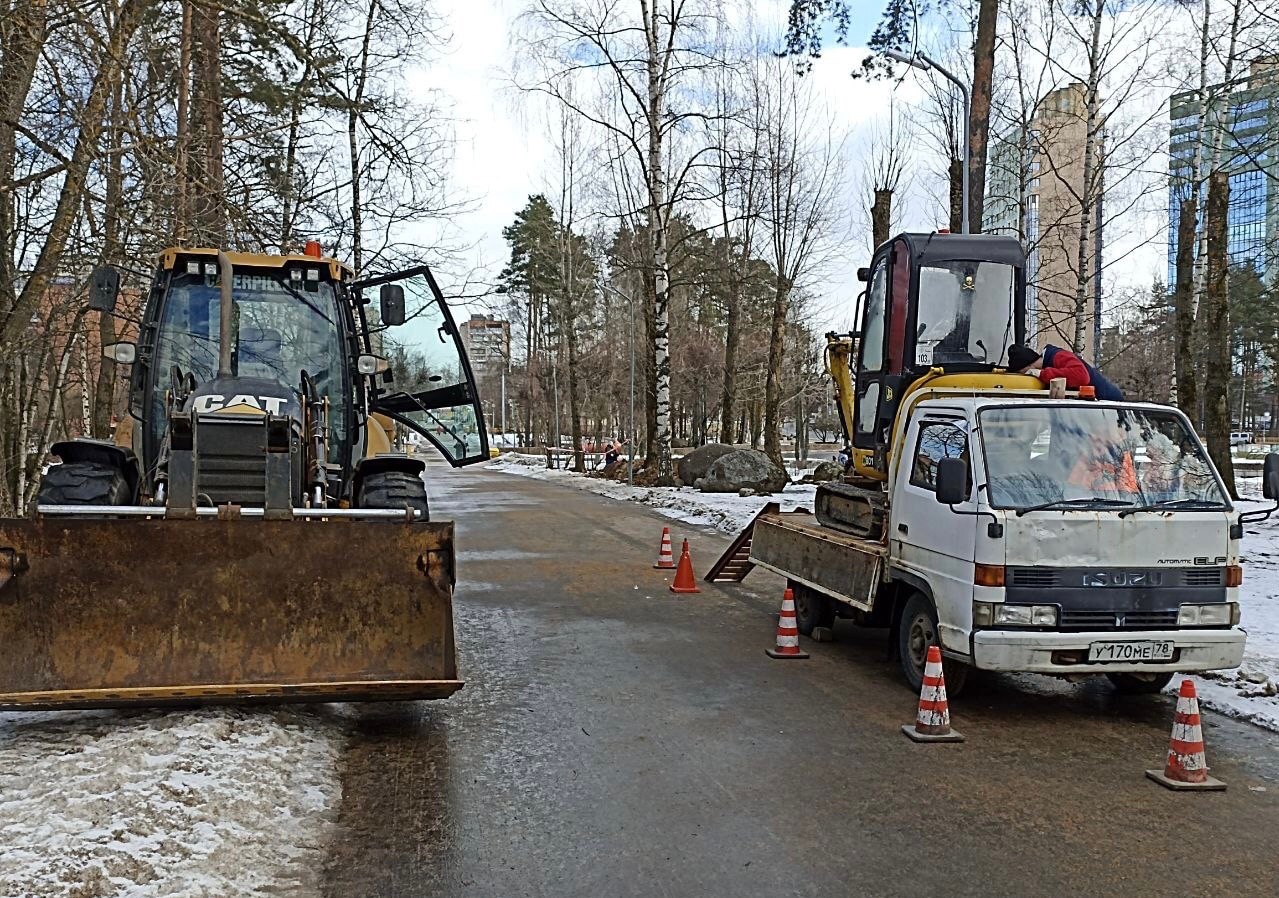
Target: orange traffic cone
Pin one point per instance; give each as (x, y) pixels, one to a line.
(932, 723)
(787, 631)
(1187, 768)
(665, 556)
(684, 579)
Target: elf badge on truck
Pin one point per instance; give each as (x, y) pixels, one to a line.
(1019, 532)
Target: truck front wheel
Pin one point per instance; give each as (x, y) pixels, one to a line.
(1139, 684)
(916, 631)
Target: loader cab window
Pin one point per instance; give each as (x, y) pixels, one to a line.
(966, 313)
(283, 326)
(433, 393)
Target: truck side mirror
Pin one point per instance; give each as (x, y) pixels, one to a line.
(1270, 476)
(863, 274)
(952, 481)
(104, 287)
(392, 300)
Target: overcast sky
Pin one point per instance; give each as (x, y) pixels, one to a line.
(503, 154)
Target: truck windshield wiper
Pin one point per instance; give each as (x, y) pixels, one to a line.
(1089, 502)
(1174, 503)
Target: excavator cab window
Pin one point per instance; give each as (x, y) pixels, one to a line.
(965, 314)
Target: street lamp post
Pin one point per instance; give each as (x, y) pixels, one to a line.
(923, 62)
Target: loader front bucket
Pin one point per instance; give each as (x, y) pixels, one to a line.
(146, 611)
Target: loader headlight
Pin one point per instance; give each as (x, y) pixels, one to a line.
(1001, 614)
(1217, 614)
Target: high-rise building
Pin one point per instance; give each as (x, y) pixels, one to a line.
(1034, 184)
(1243, 127)
(487, 342)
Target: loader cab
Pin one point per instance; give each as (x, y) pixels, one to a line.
(934, 302)
(295, 314)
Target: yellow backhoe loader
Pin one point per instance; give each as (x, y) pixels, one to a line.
(249, 535)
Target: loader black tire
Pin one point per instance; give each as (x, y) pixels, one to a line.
(394, 489)
(84, 483)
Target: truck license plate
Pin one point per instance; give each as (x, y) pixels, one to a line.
(1160, 650)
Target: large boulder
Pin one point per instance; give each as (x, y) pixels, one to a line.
(744, 469)
(825, 472)
(693, 466)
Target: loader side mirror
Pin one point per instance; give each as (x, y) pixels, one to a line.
(120, 353)
(1270, 476)
(392, 300)
(372, 364)
(104, 287)
(952, 481)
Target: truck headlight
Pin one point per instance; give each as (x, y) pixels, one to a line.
(987, 614)
(1217, 614)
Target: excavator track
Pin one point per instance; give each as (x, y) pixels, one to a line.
(850, 509)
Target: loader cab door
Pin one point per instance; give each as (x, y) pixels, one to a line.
(433, 391)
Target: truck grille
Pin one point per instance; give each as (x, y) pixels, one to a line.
(1111, 578)
(1116, 620)
(1038, 577)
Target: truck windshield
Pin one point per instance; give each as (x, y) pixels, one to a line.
(283, 326)
(965, 313)
(1077, 453)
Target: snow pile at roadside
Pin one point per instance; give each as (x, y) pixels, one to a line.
(1250, 692)
(726, 512)
(207, 802)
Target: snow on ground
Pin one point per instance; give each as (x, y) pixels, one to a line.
(225, 802)
(726, 512)
(1250, 692)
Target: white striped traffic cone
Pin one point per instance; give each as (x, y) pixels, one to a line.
(1187, 767)
(666, 555)
(787, 631)
(932, 722)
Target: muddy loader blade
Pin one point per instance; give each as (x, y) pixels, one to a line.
(116, 612)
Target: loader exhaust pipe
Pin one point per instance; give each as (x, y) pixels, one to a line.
(225, 318)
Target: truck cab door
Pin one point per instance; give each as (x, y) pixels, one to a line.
(436, 394)
(928, 539)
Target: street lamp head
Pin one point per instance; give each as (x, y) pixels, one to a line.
(913, 60)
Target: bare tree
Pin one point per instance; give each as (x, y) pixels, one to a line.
(800, 183)
(647, 54)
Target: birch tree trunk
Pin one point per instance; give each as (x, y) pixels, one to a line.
(656, 221)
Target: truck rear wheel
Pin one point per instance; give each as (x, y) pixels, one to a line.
(812, 609)
(916, 631)
(83, 483)
(1139, 684)
(394, 489)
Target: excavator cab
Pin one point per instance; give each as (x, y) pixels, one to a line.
(935, 304)
(939, 309)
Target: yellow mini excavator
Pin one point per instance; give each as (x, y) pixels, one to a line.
(249, 535)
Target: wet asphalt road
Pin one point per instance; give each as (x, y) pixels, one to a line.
(614, 739)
